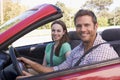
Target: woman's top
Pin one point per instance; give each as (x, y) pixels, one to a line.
(57, 59)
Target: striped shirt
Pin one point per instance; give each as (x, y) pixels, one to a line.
(101, 53)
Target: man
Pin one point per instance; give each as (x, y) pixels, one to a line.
(86, 28)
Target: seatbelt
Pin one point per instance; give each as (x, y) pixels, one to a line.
(94, 47)
(51, 56)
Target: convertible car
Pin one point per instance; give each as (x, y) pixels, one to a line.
(38, 17)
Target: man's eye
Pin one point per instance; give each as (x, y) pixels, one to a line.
(87, 25)
(78, 25)
(53, 30)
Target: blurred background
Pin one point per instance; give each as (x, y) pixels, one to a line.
(107, 11)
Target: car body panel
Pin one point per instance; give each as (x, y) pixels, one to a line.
(100, 71)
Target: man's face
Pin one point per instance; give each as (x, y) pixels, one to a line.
(85, 28)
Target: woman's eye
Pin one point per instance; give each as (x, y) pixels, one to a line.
(58, 31)
(53, 30)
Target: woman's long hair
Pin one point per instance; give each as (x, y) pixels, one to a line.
(65, 37)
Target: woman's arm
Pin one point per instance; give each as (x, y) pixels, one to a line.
(67, 54)
(66, 49)
(44, 61)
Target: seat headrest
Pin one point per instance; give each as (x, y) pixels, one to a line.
(111, 34)
(73, 35)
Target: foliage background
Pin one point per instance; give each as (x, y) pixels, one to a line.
(105, 17)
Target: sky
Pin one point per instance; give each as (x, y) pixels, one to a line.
(69, 3)
(75, 4)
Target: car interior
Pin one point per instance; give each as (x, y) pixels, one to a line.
(112, 35)
(36, 52)
(108, 35)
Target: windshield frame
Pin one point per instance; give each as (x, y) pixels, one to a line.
(44, 15)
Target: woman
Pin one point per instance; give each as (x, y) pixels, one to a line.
(60, 48)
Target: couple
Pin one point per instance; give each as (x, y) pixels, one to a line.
(86, 27)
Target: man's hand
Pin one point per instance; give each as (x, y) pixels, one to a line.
(26, 74)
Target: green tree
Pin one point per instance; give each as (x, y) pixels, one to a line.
(67, 15)
(12, 9)
(103, 17)
(67, 18)
(98, 5)
(115, 17)
(102, 21)
(101, 8)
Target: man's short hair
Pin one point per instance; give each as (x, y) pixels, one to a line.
(83, 12)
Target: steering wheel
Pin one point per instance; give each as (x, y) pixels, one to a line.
(18, 65)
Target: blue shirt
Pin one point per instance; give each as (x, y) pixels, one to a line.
(101, 53)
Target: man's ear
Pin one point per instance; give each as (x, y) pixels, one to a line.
(96, 26)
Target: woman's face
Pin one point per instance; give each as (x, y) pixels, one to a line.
(57, 32)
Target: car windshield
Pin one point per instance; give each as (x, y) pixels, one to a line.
(17, 19)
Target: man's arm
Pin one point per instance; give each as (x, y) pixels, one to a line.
(41, 68)
(66, 64)
(36, 66)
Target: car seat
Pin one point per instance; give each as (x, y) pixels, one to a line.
(112, 35)
(74, 39)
